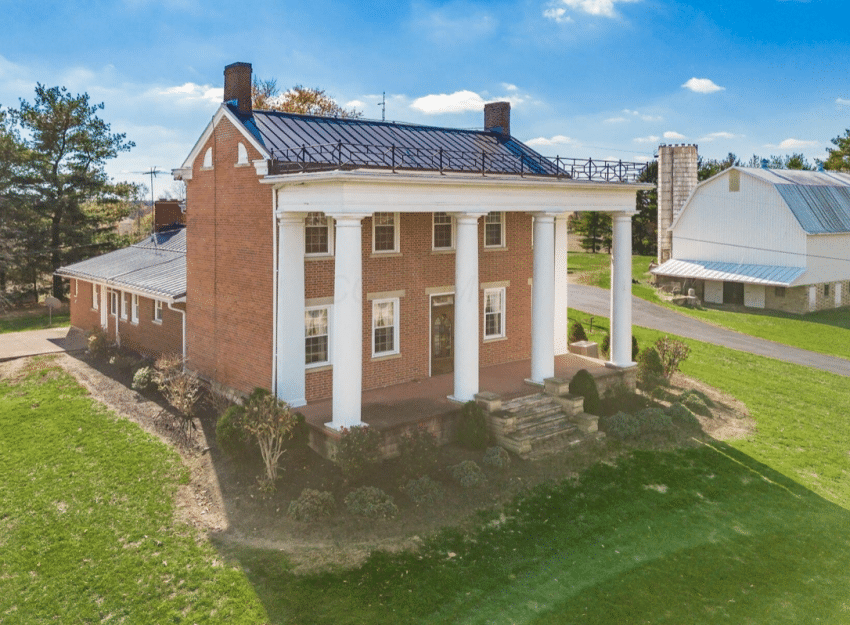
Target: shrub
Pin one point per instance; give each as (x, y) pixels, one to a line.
(123, 362)
(577, 332)
(144, 379)
(621, 425)
(97, 343)
(370, 502)
(471, 430)
(672, 352)
(269, 421)
(654, 421)
(359, 451)
(650, 371)
(417, 452)
(696, 402)
(606, 346)
(497, 457)
(682, 416)
(230, 433)
(621, 398)
(424, 491)
(583, 384)
(468, 474)
(311, 505)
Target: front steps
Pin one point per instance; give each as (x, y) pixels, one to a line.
(541, 424)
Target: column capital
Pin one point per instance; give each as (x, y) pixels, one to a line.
(348, 219)
(622, 216)
(468, 216)
(286, 218)
(545, 216)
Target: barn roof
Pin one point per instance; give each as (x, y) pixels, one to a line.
(155, 266)
(769, 275)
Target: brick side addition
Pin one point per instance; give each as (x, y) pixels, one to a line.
(230, 281)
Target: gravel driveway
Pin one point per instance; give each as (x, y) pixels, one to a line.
(595, 301)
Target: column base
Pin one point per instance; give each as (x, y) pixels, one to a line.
(338, 427)
(611, 365)
(458, 400)
(533, 382)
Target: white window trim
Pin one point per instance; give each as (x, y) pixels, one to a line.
(329, 361)
(501, 230)
(157, 311)
(396, 235)
(241, 155)
(134, 309)
(113, 303)
(95, 296)
(331, 229)
(76, 287)
(395, 301)
(501, 334)
(124, 305)
(433, 229)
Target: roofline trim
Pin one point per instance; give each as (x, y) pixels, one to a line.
(149, 293)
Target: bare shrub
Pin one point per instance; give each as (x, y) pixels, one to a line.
(270, 421)
(180, 389)
(672, 353)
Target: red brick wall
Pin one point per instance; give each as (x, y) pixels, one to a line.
(229, 266)
(82, 315)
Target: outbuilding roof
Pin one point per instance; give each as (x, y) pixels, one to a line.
(768, 275)
(155, 266)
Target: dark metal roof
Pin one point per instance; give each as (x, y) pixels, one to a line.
(310, 142)
(155, 266)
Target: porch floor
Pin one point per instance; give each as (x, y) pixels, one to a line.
(396, 405)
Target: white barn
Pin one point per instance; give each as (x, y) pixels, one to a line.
(765, 238)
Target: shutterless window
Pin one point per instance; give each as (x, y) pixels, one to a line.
(157, 311)
(316, 336)
(123, 305)
(134, 309)
(385, 232)
(494, 313)
(826, 290)
(494, 230)
(317, 234)
(384, 327)
(779, 291)
(113, 302)
(443, 232)
(95, 296)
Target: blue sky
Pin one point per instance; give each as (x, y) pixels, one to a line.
(586, 78)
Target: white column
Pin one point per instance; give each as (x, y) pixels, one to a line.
(561, 321)
(291, 386)
(621, 291)
(347, 325)
(467, 308)
(543, 299)
(104, 308)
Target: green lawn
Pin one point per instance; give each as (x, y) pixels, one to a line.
(35, 322)
(87, 533)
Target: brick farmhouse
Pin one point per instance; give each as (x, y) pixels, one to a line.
(327, 256)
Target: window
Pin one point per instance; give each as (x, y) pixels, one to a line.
(134, 309)
(76, 288)
(95, 296)
(317, 336)
(318, 235)
(444, 227)
(113, 299)
(826, 290)
(207, 159)
(494, 313)
(385, 232)
(157, 311)
(494, 230)
(384, 327)
(779, 291)
(241, 154)
(123, 305)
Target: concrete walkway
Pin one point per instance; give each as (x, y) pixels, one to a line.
(36, 342)
(596, 301)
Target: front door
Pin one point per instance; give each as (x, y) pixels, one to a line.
(442, 334)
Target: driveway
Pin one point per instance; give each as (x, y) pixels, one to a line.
(35, 342)
(596, 301)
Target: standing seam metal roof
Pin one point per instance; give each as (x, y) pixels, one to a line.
(770, 275)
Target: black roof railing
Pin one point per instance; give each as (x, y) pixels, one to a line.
(341, 155)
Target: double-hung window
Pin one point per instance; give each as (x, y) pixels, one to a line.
(318, 235)
(157, 311)
(134, 309)
(385, 327)
(95, 296)
(494, 229)
(317, 336)
(444, 229)
(494, 313)
(124, 305)
(113, 301)
(385, 232)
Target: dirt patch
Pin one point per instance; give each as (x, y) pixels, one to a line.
(223, 501)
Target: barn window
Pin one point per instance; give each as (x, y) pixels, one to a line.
(779, 291)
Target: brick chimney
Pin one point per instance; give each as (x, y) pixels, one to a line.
(677, 178)
(168, 215)
(497, 117)
(237, 86)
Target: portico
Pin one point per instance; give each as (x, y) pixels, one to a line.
(351, 198)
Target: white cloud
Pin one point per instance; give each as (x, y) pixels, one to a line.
(191, 91)
(509, 87)
(842, 101)
(642, 116)
(457, 102)
(355, 104)
(553, 141)
(702, 85)
(598, 8)
(718, 135)
(649, 139)
(674, 135)
(793, 144)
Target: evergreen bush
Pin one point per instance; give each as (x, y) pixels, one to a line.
(471, 431)
(144, 379)
(311, 505)
(606, 346)
(370, 502)
(424, 491)
(583, 384)
(359, 452)
(230, 433)
(683, 417)
(497, 457)
(98, 343)
(621, 425)
(468, 474)
(654, 421)
(577, 332)
(696, 402)
(417, 452)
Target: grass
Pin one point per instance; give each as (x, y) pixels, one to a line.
(87, 529)
(34, 322)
